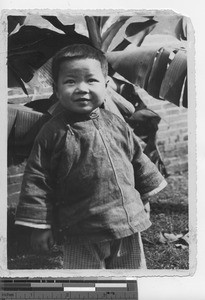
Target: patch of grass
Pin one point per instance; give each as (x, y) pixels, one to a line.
(169, 213)
(20, 255)
(30, 260)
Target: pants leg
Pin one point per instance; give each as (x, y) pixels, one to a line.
(130, 254)
(81, 257)
(126, 253)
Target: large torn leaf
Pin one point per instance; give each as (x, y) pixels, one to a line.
(42, 78)
(181, 29)
(172, 83)
(136, 32)
(145, 124)
(25, 128)
(94, 32)
(124, 106)
(14, 80)
(30, 47)
(110, 33)
(157, 73)
(68, 29)
(170, 25)
(184, 27)
(12, 113)
(101, 20)
(185, 95)
(134, 63)
(151, 69)
(14, 21)
(25, 120)
(110, 105)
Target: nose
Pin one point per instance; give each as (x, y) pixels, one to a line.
(82, 87)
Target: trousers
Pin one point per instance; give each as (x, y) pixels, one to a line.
(125, 253)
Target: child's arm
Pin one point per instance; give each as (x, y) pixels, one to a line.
(148, 179)
(35, 208)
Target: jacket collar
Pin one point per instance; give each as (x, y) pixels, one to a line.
(57, 109)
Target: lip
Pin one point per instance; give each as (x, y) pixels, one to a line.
(82, 100)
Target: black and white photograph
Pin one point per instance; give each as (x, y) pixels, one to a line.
(98, 138)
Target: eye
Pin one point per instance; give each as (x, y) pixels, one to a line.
(69, 81)
(91, 80)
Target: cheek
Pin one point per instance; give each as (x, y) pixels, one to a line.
(103, 93)
(63, 92)
(101, 90)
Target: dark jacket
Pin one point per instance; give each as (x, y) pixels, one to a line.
(86, 175)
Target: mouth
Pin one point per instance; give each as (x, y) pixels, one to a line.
(82, 100)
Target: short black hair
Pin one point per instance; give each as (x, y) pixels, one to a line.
(78, 51)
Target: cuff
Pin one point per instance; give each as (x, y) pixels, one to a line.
(33, 225)
(162, 185)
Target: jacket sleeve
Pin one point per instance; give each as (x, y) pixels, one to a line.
(35, 208)
(148, 179)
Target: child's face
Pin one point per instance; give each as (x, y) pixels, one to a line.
(81, 85)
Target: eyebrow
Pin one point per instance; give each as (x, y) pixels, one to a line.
(76, 75)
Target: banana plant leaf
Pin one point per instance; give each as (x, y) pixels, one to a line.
(135, 33)
(21, 119)
(143, 121)
(25, 120)
(30, 50)
(158, 72)
(171, 87)
(145, 124)
(184, 22)
(94, 32)
(12, 113)
(125, 107)
(185, 99)
(111, 32)
(151, 69)
(14, 21)
(100, 39)
(24, 124)
(157, 29)
(101, 20)
(173, 25)
(134, 63)
(30, 47)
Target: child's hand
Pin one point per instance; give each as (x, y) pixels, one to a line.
(41, 239)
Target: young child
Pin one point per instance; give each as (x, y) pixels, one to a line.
(87, 175)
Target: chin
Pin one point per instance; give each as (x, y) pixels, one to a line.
(83, 111)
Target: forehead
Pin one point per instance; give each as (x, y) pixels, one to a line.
(80, 66)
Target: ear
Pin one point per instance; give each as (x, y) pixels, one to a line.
(55, 89)
(106, 82)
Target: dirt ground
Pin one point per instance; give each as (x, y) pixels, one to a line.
(169, 214)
